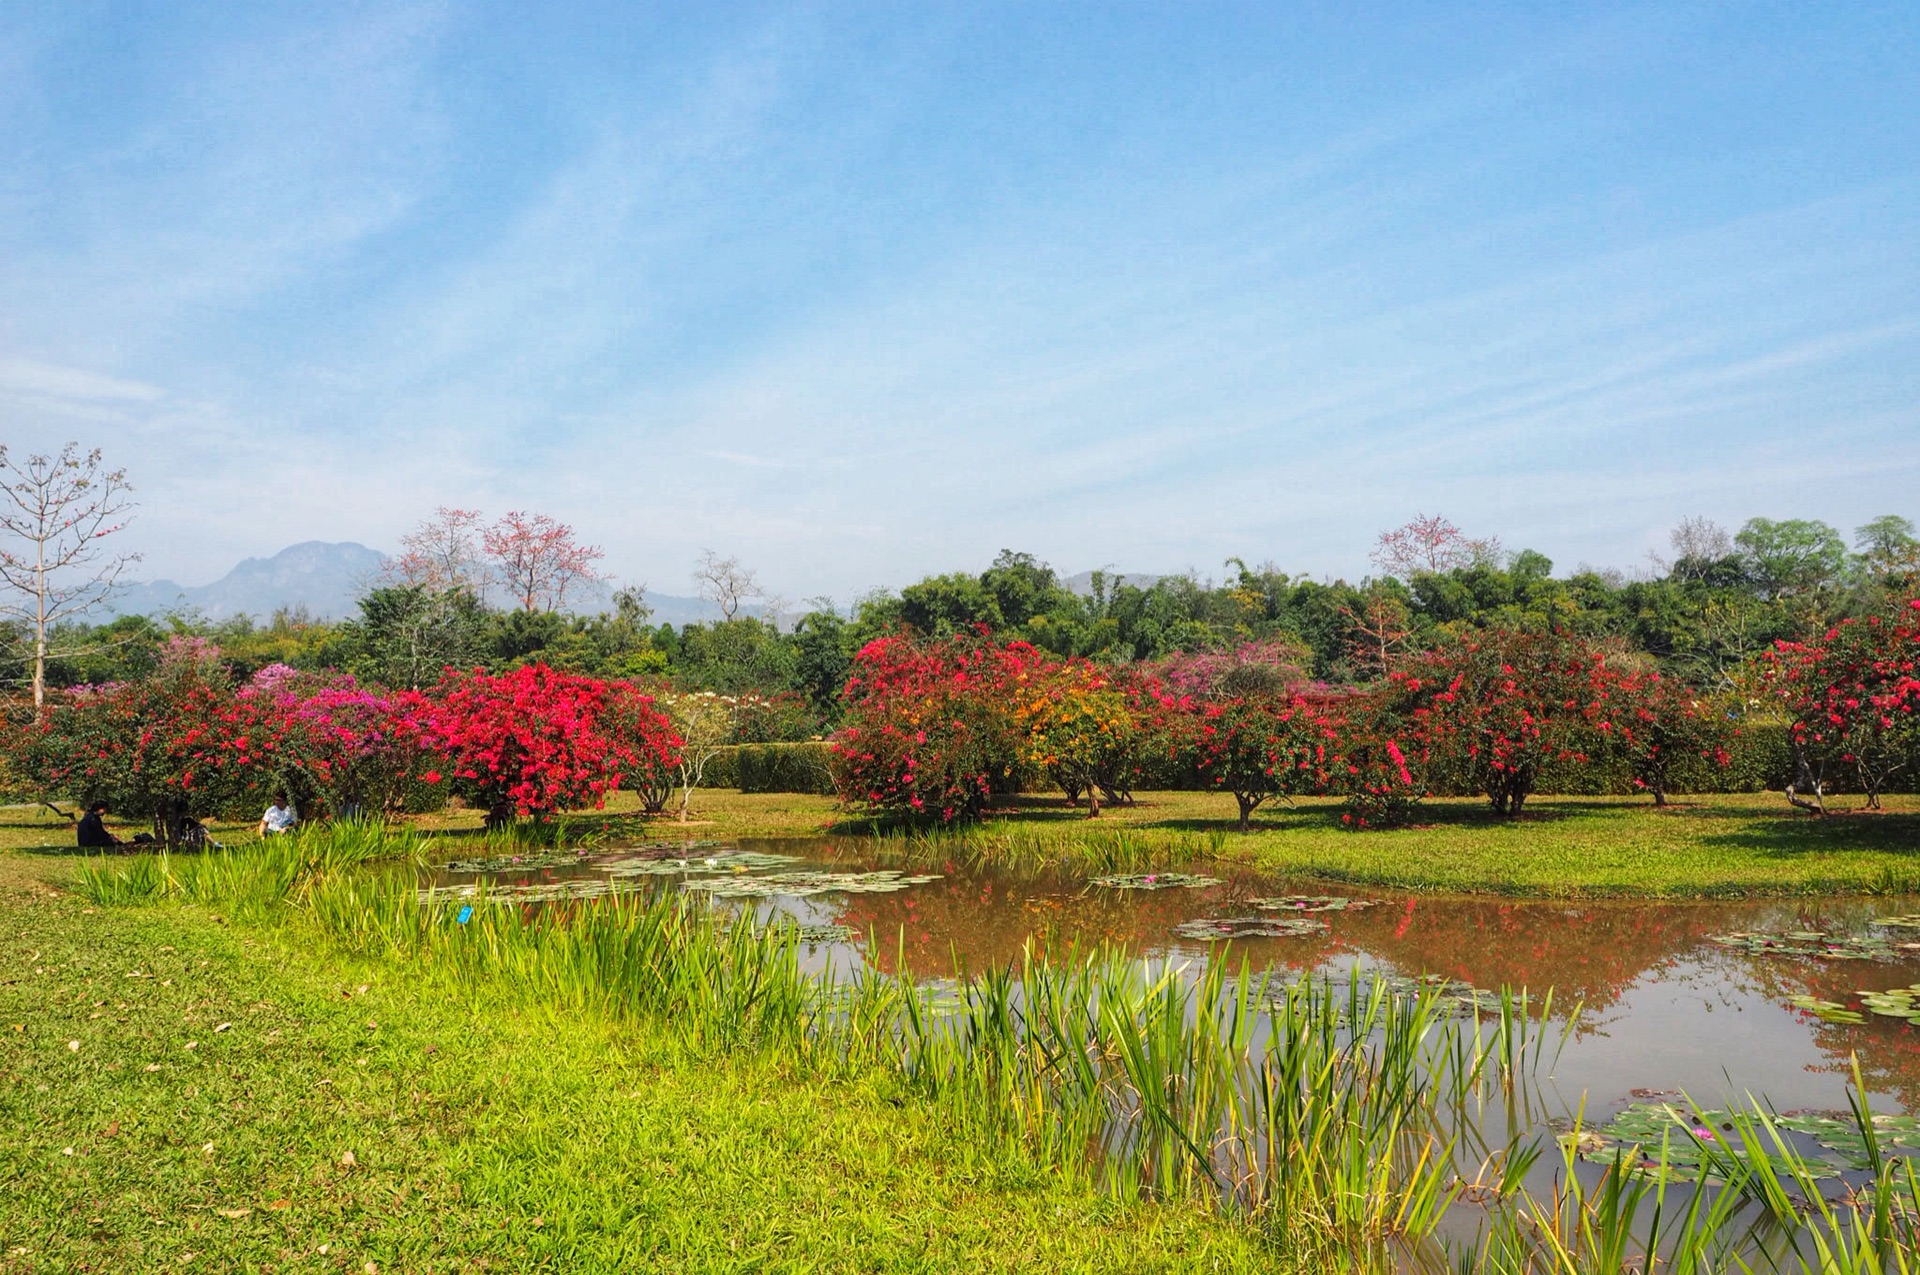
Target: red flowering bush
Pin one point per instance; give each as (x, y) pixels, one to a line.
(930, 728)
(1264, 748)
(1660, 729)
(1853, 698)
(1489, 709)
(534, 740)
(1382, 776)
(328, 740)
(149, 749)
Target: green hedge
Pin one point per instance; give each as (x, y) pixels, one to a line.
(801, 767)
(723, 770)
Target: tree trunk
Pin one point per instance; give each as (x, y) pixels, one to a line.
(1093, 801)
(1247, 804)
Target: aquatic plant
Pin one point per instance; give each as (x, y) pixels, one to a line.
(1308, 903)
(1155, 881)
(1214, 929)
(1817, 944)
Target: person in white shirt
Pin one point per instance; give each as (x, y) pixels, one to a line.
(280, 817)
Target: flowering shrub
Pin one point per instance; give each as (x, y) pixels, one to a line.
(1853, 698)
(1382, 776)
(1660, 730)
(161, 748)
(1490, 708)
(353, 747)
(1270, 667)
(1258, 749)
(930, 729)
(1084, 726)
(534, 740)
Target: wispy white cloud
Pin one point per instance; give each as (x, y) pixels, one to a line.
(718, 305)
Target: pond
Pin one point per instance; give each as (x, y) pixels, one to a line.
(1721, 1000)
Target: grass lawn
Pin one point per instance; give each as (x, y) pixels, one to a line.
(1706, 845)
(183, 1093)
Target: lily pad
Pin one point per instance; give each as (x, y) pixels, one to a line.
(1815, 944)
(1461, 1000)
(802, 884)
(1213, 929)
(1827, 1011)
(519, 862)
(1156, 881)
(526, 891)
(1310, 903)
(735, 862)
(824, 933)
(1909, 922)
(1674, 1143)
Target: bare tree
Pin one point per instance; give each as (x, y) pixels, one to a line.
(54, 513)
(538, 559)
(442, 553)
(1700, 538)
(1379, 631)
(724, 582)
(1697, 544)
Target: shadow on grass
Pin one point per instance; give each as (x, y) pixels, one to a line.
(1786, 836)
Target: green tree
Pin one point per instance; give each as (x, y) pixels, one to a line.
(1793, 556)
(407, 634)
(1889, 550)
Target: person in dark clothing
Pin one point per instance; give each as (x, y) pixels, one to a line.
(93, 831)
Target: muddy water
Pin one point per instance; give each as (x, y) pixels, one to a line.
(1663, 1007)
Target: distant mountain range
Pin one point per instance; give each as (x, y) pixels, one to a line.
(328, 580)
(324, 578)
(1082, 582)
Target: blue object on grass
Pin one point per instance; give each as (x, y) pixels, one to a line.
(466, 914)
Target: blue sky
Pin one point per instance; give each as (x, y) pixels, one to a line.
(862, 292)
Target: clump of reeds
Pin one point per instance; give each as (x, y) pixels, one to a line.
(1035, 848)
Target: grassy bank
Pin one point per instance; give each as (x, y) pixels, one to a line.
(1707, 845)
(198, 1077)
(243, 1097)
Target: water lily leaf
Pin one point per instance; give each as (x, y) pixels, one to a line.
(802, 884)
(1310, 903)
(1909, 922)
(1214, 929)
(1156, 881)
(825, 933)
(1815, 944)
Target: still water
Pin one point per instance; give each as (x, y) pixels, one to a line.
(1663, 1007)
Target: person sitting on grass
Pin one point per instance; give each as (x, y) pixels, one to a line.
(280, 817)
(93, 834)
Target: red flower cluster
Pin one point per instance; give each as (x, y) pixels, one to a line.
(535, 740)
(1489, 709)
(527, 742)
(1259, 748)
(930, 728)
(1853, 698)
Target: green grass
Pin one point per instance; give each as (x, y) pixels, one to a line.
(485, 1131)
(1591, 846)
(643, 1085)
(1708, 845)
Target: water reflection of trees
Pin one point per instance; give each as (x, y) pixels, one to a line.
(1589, 951)
(986, 918)
(1888, 1049)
